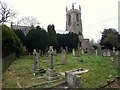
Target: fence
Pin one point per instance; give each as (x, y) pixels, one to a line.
(7, 61)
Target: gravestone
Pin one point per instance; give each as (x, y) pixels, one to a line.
(117, 52)
(40, 52)
(66, 49)
(77, 53)
(50, 73)
(108, 53)
(73, 80)
(113, 49)
(92, 50)
(64, 56)
(29, 55)
(116, 59)
(36, 61)
(73, 51)
(36, 67)
(113, 52)
(104, 53)
(96, 52)
(82, 51)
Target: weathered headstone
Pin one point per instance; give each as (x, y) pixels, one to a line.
(64, 56)
(117, 52)
(82, 51)
(40, 52)
(96, 52)
(108, 53)
(73, 51)
(77, 53)
(24, 49)
(113, 49)
(117, 59)
(50, 73)
(29, 55)
(66, 49)
(73, 80)
(104, 53)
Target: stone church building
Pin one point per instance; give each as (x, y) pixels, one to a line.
(74, 24)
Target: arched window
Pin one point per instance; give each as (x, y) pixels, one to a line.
(69, 20)
(77, 17)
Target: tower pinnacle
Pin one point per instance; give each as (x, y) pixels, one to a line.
(79, 8)
(73, 5)
(66, 9)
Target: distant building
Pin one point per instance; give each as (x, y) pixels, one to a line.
(24, 29)
(74, 24)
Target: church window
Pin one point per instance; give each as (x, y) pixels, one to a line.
(69, 20)
(77, 17)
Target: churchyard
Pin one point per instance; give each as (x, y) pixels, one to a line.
(20, 74)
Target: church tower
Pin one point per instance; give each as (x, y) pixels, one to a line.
(74, 24)
(73, 20)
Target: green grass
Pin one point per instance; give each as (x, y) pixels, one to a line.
(99, 70)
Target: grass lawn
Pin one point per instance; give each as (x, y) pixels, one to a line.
(21, 70)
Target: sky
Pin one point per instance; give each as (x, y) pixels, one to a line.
(96, 15)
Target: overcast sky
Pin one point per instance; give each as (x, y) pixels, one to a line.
(96, 14)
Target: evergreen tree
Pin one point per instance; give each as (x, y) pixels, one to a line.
(52, 38)
(36, 39)
(21, 36)
(110, 39)
(10, 42)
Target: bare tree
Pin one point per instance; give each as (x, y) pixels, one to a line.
(29, 21)
(5, 12)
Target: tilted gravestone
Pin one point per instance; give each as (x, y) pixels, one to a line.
(50, 73)
(73, 77)
(64, 56)
(73, 80)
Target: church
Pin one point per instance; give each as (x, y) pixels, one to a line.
(74, 24)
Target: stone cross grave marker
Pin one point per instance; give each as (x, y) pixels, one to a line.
(36, 61)
(51, 52)
(50, 73)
